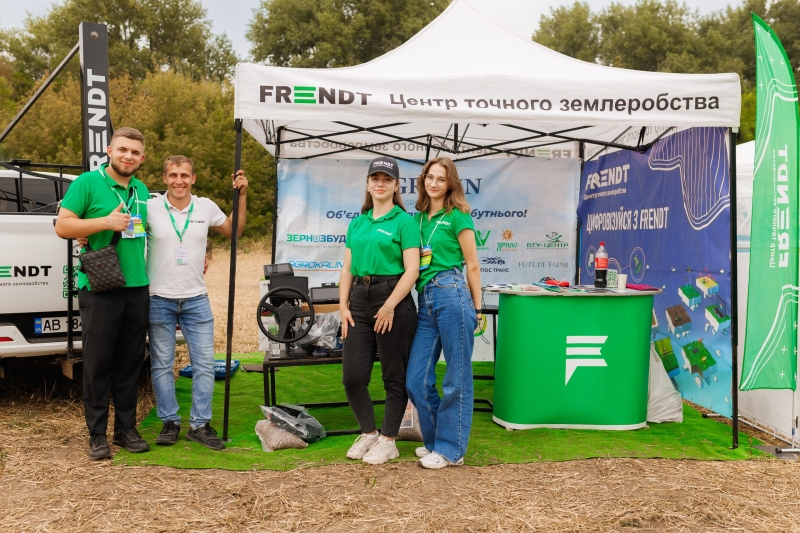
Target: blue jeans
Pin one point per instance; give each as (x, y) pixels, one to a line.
(445, 322)
(194, 317)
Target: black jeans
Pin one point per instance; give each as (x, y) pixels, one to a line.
(392, 347)
(114, 331)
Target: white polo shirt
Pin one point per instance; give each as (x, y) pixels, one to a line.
(167, 278)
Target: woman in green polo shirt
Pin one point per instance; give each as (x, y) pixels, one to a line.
(378, 314)
(449, 312)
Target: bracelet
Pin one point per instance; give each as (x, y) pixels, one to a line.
(386, 310)
(110, 222)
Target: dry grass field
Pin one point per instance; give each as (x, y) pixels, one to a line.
(48, 484)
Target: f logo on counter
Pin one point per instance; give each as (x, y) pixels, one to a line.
(583, 345)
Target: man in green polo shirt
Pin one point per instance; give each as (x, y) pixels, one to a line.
(99, 204)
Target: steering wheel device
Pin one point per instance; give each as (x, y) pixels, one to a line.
(286, 309)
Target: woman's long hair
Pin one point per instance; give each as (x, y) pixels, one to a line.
(396, 199)
(455, 191)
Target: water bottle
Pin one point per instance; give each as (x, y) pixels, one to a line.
(600, 266)
(274, 347)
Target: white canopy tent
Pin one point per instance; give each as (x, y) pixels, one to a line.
(465, 87)
(464, 73)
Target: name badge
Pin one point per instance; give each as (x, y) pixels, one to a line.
(182, 255)
(135, 228)
(425, 256)
(138, 226)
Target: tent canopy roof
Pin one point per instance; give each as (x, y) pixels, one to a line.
(465, 73)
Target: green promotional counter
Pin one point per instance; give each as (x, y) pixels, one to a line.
(576, 360)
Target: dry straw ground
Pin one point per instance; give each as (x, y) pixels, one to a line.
(48, 484)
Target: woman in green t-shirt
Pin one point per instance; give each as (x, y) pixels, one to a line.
(449, 312)
(381, 264)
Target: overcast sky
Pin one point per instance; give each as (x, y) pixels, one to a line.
(232, 16)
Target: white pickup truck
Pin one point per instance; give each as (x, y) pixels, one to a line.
(33, 269)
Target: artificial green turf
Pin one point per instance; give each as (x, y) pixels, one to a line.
(695, 438)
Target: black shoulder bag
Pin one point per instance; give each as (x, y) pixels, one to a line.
(102, 266)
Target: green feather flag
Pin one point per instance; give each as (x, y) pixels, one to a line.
(770, 352)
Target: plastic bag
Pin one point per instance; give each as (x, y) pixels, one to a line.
(296, 420)
(664, 403)
(274, 438)
(409, 427)
(323, 332)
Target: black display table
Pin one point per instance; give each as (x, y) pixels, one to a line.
(270, 366)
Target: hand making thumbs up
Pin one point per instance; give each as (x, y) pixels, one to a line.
(119, 220)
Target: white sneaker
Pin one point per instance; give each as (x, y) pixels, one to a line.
(434, 461)
(381, 452)
(362, 445)
(422, 451)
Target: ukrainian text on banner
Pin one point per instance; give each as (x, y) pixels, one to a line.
(665, 218)
(523, 210)
(770, 352)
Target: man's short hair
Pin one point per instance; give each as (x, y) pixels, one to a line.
(177, 160)
(128, 133)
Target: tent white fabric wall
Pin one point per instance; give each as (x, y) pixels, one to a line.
(768, 409)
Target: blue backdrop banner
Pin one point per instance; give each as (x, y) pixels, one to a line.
(523, 210)
(665, 219)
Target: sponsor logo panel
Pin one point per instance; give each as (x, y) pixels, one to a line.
(314, 238)
(493, 264)
(315, 265)
(481, 238)
(507, 245)
(552, 242)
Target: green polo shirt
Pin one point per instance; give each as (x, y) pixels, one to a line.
(377, 245)
(92, 195)
(441, 234)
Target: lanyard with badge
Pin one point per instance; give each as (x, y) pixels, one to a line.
(135, 227)
(426, 251)
(181, 251)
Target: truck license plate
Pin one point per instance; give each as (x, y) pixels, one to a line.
(55, 324)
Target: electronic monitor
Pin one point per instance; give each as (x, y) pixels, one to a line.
(325, 295)
(295, 282)
(278, 268)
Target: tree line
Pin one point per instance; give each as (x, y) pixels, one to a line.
(668, 36)
(171, 76)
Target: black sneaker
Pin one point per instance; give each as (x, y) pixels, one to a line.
(130, 440)
(169, 433)
(207, 436)
(98, 447)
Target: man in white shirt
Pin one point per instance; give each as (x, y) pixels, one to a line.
(177, 230)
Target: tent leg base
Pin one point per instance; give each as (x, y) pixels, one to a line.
(67, 367)
(787, 450)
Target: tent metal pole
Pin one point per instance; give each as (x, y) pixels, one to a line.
(275, 195)
(42, 88)
(232, 279)
(428, 150)
(455, 140)
(577, 280)
(441, 145)
(734, 296)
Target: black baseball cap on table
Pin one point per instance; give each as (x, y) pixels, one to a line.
(384, 164)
